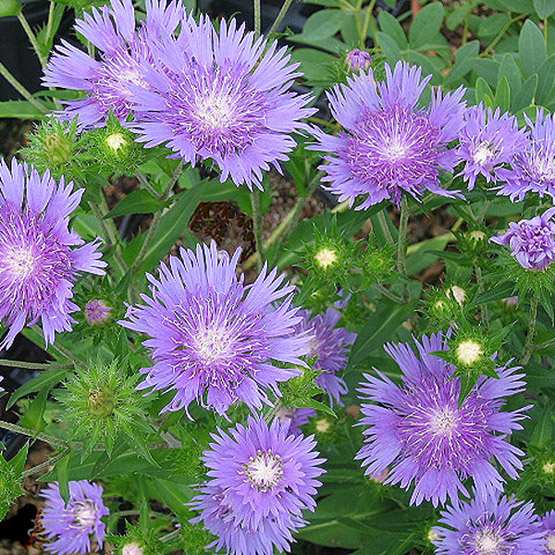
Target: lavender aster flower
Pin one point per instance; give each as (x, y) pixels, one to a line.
(214, 338)
(40, 258)
(1, 388)
(73, 528)
(331, 345)
(358, 60)
(489, 526)
(548, 526)
(224, 97)
(419, 432)
(390, 145)
(532, 241)
(123, 48)
(262, 479)
(533, 169)
(488, 141)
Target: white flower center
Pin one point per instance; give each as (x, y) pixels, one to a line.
(215, 110)
(325, 258)
(545, 166)
(85, 516)
(115, 141)
(488, 542)
(444, 421)
(468, 352)
(265, 470)
(550, 543)
(396, 150)
(483, 154)
(21, 261)
(322, 425)
(213, 344)
(129, 75)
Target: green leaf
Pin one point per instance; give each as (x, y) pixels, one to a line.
(487, 69)
(137, 441)
(19, 461)
(525, 94)
(546, 77)
(390, 48)
(503, 95)
(492, 25)
(172, 225)
(33, 417)
(137, 202)
(544, 8)
(496, 293)
(542, 436)
(484, 93)
(510, 70)
(426, 24)
(9, 8)
(45, 380)
(380, 328)
(315, 65)
(323, 24)
(19, 109)
(62, 473)
(531, 48)
(391, 27)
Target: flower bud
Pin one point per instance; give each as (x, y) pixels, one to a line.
(358, 60)
(469, 352)
(457, 293)
(132, 549)
(97, 312)
(325, 258)
(116, 141)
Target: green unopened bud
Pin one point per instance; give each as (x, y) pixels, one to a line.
(58, 149)
(101, 402)
(10, 482)
(9, 8)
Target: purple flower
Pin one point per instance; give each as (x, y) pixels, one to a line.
(533, 169)
(331, 345)
(224, 97)
(295, 418)
(488, 141)
(2, 389)
(358, 60)
(261, 480)
(390, 145)
(107, 81)
(40, 258)
(532, 241)
(548, 526)
(419, 432)
(70, 528)
(97, 312)
(213, 338)
(489, 526)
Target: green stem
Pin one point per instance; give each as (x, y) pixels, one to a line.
(109, 231)
(32, 433)
(282, 13)
(402, 239)
(531, 329)
(7, 75)
(383, 217)
(501, 33)
(156, 220)
(50, 23)
(33, 365)
(257, 224)
(171, 535)
(546, 30)
(387, 293)
(257, 18)
(32, 38)
(46, 465)
(367, 18)
(483, 307)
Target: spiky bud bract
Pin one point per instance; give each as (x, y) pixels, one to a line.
(10, 479)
